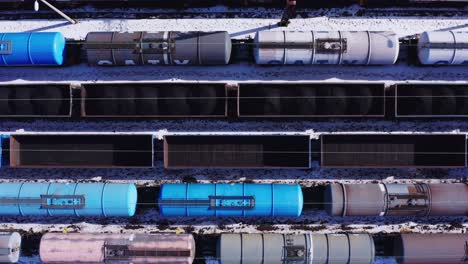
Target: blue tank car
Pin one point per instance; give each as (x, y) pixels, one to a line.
(230, 200)
(32, 49)
(67, 199)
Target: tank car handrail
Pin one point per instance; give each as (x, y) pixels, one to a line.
(53, 201)
(214, 202)
(123, 252)
(5, 47)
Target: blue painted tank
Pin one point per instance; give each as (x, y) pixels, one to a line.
(68, 199)
(31, 48)
(230, 200)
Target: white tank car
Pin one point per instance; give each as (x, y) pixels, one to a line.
(326, 47)
(304, 249)
(10, 244)
(443, 48)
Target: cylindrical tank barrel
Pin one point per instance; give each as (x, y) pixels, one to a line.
(326, 47)
(431, 248)
(36, 48)
(231, 200)
(68, 199)
(443, 47)
(307, 248)
(159, 48)
(10, 245)
(113, 248)
(396, 199)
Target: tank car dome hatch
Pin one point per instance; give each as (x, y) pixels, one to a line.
(443, 47)
(32, 49)
(117, 248)
(10, 247)
(230, 200)
(326, 47)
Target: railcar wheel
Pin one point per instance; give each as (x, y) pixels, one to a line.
(271, 102)
(47, 102)
(422, 102)
(207, 104)
(175, 101)
(445, 102)
(104, 103)
(332, 101)
(361, 103)
(22, 104)
(147, 101)
(126, 101)
(306, 105)
(4, 101)
(462, 101)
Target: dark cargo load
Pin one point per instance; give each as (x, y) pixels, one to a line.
(431, 100)
(312, 100)
(30, 151)
(236, 151)
(154, 100)
(35, 100)
(379, 151)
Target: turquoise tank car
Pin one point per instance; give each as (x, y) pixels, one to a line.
(67, 199)
(230, 200)
(32, 49)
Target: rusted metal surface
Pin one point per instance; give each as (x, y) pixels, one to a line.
(432, 249)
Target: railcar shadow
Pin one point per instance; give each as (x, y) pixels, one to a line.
(242, 71)
(253, 30)
(150, 220)
(159, 175)
(58, 25)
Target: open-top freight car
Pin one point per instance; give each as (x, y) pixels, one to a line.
(234, 150)
(310, 100)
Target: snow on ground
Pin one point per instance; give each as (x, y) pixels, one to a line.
(238, 28)
(311, 221)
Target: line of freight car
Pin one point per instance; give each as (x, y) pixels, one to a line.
(214, 48)
(238, 150)
(266, 100)
(233, 200)
(239, 3)
(305, 248)
(106, 199)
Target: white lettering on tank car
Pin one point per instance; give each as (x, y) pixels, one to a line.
(154, 62)
(104, 62)
(183, 62)
(130, 62)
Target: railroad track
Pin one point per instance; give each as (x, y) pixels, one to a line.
(80, 13)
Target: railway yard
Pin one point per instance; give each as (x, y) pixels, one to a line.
(205, 132)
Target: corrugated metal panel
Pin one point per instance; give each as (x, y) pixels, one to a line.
(373, 150)
(236, 151)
